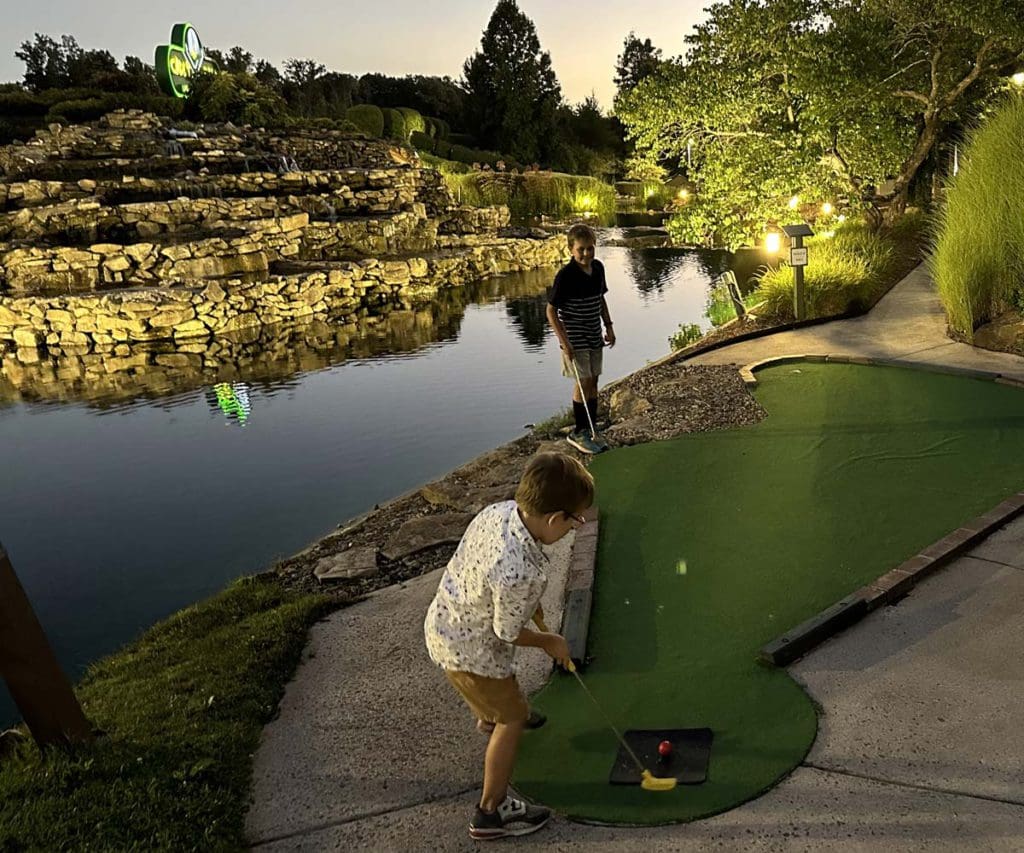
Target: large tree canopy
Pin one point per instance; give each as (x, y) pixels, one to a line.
(513, 92)
(820, 99)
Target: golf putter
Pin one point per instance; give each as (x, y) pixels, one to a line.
(648, 781)
(583, 394)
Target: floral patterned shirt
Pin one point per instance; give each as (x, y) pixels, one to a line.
(488, 593)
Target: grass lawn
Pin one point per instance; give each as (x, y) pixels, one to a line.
(854, 470)
(182, 710)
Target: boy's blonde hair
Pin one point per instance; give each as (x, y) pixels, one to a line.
(555, 482)
(581, 233)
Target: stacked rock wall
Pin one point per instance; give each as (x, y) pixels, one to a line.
(101, 264)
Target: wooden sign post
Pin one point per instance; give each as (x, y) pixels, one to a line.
(39, 688)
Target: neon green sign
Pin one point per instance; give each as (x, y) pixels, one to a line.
(178, 62)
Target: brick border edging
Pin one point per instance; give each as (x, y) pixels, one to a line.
(897, 582)
(579, 587)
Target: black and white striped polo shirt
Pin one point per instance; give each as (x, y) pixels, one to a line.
(577, 297)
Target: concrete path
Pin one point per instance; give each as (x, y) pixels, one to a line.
(908, 323)
(919, 747)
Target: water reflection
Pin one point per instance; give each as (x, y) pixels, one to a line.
(114, 524)
(271, 354)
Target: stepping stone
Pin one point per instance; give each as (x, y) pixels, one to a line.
(428, 531)
(347, 565)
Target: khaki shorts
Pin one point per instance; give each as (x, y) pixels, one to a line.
(588, 363)
(493, 700)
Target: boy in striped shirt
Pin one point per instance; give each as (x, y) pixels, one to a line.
(576, 311)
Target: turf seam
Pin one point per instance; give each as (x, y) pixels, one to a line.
(935, 789)
(320, 827)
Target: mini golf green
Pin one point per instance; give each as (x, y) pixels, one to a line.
(854, 470)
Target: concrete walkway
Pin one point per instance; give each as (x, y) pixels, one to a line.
(919, 747)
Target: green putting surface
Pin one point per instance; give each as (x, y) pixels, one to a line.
(854, 470)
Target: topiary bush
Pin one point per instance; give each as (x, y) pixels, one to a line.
(422, 142)
(443, 149)
(394, 125)
(977, 257)
(444, 131)
(414, 122)
(368, 118)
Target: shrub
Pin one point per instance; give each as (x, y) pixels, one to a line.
(463, 139)
(422, 141)
(443, 129)
(687, 334)
(88, 109)
(21, 105)
(414, 122)
(394, 125)
(238, 98)
(462, 154)
(368, 118)
(977, 258)
(847, 272)
(443, 149)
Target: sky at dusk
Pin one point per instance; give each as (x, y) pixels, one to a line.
(395, 37)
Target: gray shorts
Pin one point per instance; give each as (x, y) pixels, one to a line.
(588, 363)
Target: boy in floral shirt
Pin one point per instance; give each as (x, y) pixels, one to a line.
(487, 596)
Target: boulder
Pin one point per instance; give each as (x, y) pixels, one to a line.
(428, 531)
(348, 565)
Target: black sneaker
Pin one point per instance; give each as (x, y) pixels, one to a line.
(534, 721)
(513, 817)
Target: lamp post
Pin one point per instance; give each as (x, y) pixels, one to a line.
(798, 260)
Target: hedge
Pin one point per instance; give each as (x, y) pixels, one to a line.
(465, 139)
(394, 125)
(422, 142)
(443, 149)
(414, 122)
(368, 118)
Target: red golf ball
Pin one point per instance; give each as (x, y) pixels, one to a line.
(665, 748)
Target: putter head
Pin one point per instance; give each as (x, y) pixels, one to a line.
(650, 782)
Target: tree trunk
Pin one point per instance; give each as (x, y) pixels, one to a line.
(925, 143)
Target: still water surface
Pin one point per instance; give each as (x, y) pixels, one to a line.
(121, 505)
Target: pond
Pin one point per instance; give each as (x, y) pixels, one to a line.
(131, 494)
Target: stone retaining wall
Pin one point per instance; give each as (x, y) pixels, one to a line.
(106, 322)
(133, 135)
(364, 189)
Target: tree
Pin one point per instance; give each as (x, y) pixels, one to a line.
(836, 98)
(267, 74)
(302, 72)
(46, 61)
(513, 91)
(638, 61)
(237, 61)
(238, 98)
(936, 60)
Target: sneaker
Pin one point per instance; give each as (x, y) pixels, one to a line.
(513, 817)
(534, 721)
(584, 443)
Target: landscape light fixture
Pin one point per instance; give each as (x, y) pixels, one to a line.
(773, 242)
(1018, 78)
(793, 202)
(826, 208)
(798, 260)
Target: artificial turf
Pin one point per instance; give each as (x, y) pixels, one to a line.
(854, 470)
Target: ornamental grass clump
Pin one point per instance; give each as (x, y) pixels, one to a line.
(977, 257)
(847, 271)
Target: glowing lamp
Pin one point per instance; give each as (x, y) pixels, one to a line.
(773, 242)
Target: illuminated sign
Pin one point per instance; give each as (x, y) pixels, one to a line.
(178, 62)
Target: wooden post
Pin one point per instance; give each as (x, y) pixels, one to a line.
(39, 688)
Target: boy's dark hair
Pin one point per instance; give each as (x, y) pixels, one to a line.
(554, 482)
(581, 233)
